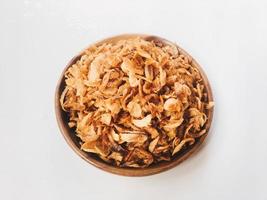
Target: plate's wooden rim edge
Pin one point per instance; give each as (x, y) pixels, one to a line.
(129, 171)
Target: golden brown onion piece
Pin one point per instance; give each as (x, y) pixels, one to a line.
(135, 102)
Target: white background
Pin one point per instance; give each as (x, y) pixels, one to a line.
(38, 38)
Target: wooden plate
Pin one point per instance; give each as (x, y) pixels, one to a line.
(73, 140)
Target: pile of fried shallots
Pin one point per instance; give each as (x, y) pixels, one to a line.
(135, 102)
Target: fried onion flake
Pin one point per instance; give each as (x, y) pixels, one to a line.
(135, 102)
